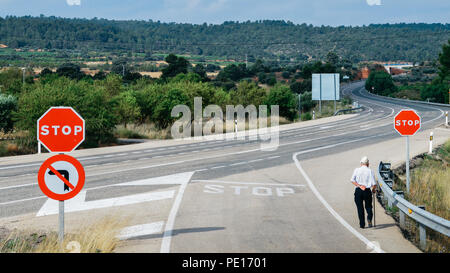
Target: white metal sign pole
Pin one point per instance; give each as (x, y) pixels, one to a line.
(61, 222)
(334, 77)
(61, 219)
(407, 164)
(320, 94)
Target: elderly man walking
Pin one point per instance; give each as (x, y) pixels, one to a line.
(364, 180)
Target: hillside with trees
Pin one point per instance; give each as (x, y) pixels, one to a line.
(264, 39)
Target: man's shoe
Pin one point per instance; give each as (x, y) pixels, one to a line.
(370, 223)
(362, 227)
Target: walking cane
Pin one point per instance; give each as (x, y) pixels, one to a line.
(374, 221)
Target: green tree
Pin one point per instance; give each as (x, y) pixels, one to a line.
(287, 101)
(248, 93)
(127, 108)
(435, 92)
(200, 70)
(233, 72)
(332, 58)
(11, 81)
(162, 113)
(444, 60)
(112, 84)
(8, 104)
(70, 70)
(176, 66)
(381, 83)
(90, 101)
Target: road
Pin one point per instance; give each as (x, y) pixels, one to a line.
(217, 196)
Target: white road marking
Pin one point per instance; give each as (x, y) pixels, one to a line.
(218, 167)
(78, 203)
(140, 230)
(328, 207)
(18, 186)
(239, 163)
(22, 200)
(167, 236)
(137, 152)
(247, 183)
(178, 178)
(20, 166)
(256, 160)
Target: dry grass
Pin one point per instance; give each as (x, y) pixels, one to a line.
(328, 108)
(149, 130)
(146, 130)
(430, 186)
(99, 237)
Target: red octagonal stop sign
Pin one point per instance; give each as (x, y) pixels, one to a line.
(60, 129)
(407, 122)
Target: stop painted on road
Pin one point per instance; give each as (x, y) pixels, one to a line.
(259, 190)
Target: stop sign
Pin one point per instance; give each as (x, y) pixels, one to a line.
(60, 129)
(407, 122)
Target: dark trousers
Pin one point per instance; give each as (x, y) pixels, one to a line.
(363, 199)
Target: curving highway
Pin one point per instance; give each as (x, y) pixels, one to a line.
(219, 196)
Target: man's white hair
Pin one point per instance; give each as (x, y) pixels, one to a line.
(364, 160)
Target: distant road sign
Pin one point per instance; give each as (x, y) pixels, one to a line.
(325, 86)
(407, 122)
(61, 129)
(61, 177)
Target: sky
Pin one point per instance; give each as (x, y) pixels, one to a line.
(316, 12)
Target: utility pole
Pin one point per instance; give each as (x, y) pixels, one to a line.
(299, 107)
(23, 75)
(123, 70)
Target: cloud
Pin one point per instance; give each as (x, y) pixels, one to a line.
(73, 2)
(374, 2)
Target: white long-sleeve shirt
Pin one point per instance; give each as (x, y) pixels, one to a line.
(363, 176)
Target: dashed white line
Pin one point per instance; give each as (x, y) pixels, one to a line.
(218, 167)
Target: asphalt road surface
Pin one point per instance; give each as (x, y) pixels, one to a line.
(222, 196)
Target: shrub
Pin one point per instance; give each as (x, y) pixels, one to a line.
(282, 96)
(248, 93)
(91, 102)
(7, 105)
(381, 82)
(127, 108)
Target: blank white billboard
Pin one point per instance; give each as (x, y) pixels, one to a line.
(325, 86)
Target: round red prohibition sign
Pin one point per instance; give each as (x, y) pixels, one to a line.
(61, 177)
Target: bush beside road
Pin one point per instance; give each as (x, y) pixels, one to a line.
(429, 187)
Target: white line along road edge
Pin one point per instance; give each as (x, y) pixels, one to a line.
(341, 220)
(168, 230)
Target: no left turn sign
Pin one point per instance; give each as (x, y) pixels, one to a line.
(61, 177)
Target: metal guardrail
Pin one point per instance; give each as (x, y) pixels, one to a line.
(414, 101)
(347, 110)
(418, 213)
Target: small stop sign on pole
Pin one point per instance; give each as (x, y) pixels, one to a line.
(61, 129)
(407, 122)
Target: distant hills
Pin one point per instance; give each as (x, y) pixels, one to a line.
(268, 39)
